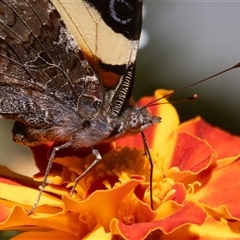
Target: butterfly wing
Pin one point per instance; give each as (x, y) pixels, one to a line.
(43, 73)
(51, 79)
(108, 32)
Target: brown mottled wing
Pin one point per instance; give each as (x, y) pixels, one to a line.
(42, 70)
(108, 32)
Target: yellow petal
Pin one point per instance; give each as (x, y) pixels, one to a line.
(50, 235)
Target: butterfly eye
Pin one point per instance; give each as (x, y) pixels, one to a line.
(134, 122)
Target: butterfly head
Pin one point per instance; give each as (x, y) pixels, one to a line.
(135, 120)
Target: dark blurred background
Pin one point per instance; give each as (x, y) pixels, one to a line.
(187, 41)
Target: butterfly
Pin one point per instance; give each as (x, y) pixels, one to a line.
(67, 72)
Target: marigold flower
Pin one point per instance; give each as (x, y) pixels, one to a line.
(195, 182)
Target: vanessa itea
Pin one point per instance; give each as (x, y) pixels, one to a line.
(67, 71)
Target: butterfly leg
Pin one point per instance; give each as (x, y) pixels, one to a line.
(98, 158)
(49, 166)
(148, 154)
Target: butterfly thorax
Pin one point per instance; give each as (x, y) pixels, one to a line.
(104, 129)
(90, 132)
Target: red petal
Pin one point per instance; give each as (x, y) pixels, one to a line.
(99, 184)
(140, 190)
(190, 213)
(180, 195)
(4, 212)
(13, 178)
(191, 153)
(4, 180)
(42, 153)
(223, 143)
(220, 184)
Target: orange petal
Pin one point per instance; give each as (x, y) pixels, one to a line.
(55, 234)
(13, 178)
(103, 205)
(219, 186)
(98, 233)
(212, 229)
(190, 213)
(217, 229)
(19, 220)
(191, 153)
(26, 196)
(4, 212)
(223, 143)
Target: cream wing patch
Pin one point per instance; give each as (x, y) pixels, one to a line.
(92, 34)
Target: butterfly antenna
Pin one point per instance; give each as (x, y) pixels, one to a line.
(154, 102)
(192, 97)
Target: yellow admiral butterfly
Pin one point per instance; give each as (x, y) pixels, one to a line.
(67, 71)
